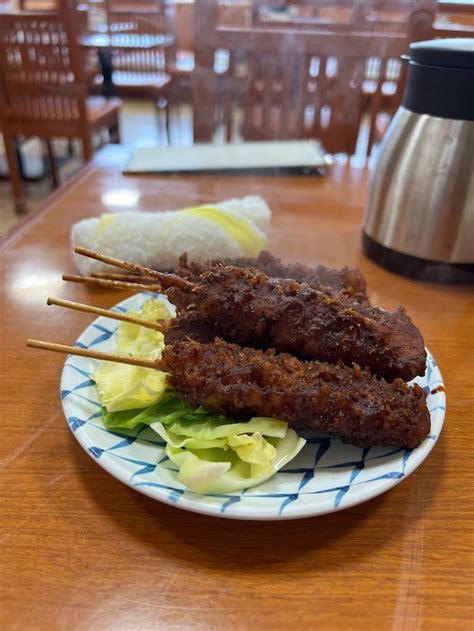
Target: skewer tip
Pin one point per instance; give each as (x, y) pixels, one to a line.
(78, 249)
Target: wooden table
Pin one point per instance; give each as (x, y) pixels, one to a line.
(133, 41)
(82, 551)
(105, 43)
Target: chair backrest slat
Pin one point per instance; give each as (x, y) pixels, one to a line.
(125, 24)
(41, 73)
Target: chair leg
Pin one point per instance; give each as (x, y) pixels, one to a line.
(14, 172)
(162, 107)
(52, 163)
(87, 147)
(114, 132)
(167, 123)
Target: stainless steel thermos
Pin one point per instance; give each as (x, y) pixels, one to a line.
(419, 216)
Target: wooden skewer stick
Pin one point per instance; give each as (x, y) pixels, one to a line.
(117, 276)
(112, 284)
(166, 279)
(132, 278)
(84, 352)
(114, 315)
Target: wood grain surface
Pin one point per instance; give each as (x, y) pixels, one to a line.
(79, 550)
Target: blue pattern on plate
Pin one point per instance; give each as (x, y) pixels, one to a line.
(75, 423)
(103, 337)
(84, 373)
(326, 476)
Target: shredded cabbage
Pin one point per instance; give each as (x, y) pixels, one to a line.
(213, 454)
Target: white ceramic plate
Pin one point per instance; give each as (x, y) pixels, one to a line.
(326, 476)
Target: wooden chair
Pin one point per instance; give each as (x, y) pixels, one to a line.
(283, 84)
(43, 92)
(142, 68)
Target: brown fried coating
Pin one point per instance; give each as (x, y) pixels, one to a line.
(347, 279)
(189, 325)
(251, 309)
(346, 402)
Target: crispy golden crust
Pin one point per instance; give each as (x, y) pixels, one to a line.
(249, 308)
(346, 402)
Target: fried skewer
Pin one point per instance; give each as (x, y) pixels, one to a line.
(346, 402)
(349, 403)
(252, 309)
(106, 313)
(347, 280)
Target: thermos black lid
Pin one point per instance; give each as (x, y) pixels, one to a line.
(446, 53)
(441, 78)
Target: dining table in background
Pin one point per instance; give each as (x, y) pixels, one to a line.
(104, 43)
(80, 550)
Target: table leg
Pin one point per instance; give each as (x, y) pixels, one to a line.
(105, 60)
